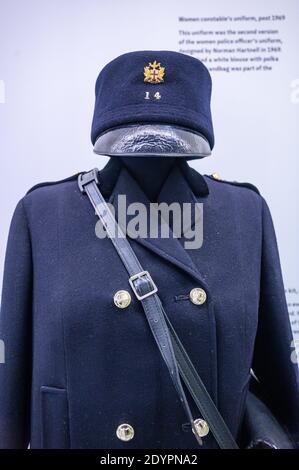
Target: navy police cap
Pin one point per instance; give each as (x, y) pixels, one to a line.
(153, 87)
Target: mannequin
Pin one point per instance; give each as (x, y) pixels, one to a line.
(150, 174)
(163, 146)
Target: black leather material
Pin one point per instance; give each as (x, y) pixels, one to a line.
(260, 428)
(178, 363)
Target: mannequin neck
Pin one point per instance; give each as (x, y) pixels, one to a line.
(149, 172)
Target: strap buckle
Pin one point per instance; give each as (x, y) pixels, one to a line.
(149, 283)
(89, 177)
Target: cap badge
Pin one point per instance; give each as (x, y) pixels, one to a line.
(154, 73)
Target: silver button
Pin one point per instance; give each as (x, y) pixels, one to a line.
(201, 427)
(122, 298)
(198, 296)
(125, 432)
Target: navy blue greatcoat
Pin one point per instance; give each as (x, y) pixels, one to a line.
(77, 367)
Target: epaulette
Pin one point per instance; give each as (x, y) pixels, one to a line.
(50, 183)
(216, 177)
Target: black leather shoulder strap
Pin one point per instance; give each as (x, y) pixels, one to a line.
(178, 363)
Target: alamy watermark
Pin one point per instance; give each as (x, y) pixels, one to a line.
(2, 92)
(295, 91)
(2, 352)
(154, 220)
(295, 351)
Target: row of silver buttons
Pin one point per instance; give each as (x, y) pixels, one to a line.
(125, 432)
(122, 298)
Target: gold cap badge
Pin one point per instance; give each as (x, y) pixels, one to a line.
(154, 73)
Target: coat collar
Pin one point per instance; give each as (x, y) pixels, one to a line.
(183, 185)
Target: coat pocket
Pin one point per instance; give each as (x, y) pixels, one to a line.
(55, 419)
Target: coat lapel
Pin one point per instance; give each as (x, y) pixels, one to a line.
(176, 189)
